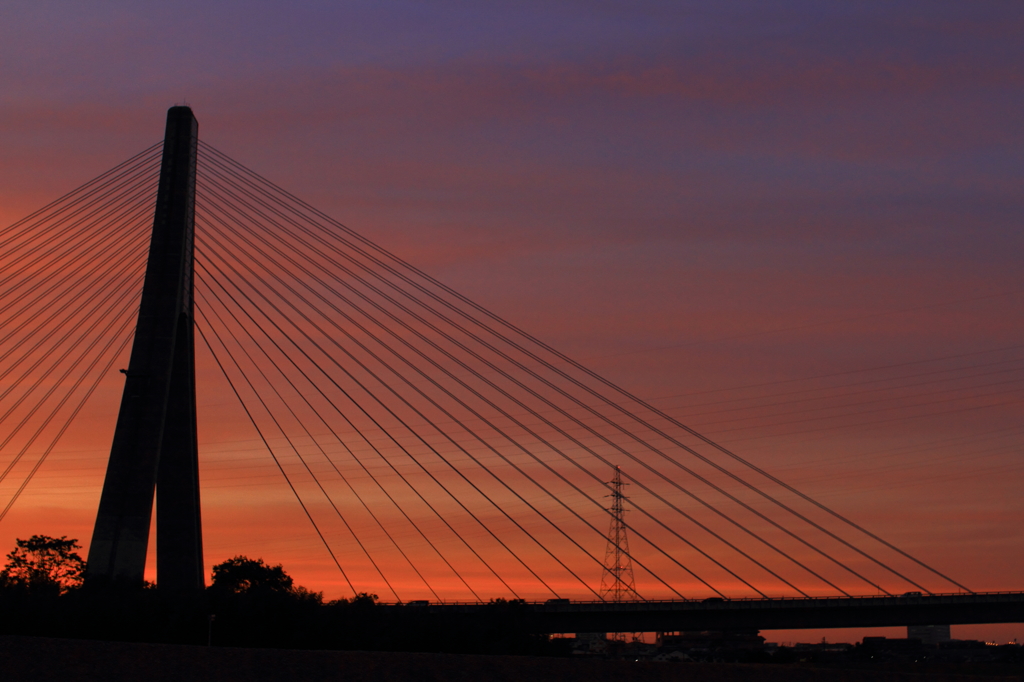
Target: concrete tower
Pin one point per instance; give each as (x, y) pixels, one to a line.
(154, 447)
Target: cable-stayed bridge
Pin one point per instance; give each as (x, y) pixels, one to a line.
(438, 452)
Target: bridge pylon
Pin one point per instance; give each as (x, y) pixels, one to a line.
(155, 448)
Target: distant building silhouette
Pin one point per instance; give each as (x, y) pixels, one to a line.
(932, 635)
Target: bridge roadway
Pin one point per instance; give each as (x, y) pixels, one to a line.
(562, 616)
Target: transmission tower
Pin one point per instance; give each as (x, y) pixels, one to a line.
(617, 578)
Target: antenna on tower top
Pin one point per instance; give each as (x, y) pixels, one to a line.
(617, 579)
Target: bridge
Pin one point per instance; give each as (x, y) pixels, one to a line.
(563, 616)
(440, 453)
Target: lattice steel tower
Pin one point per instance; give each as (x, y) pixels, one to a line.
(155, 447)
(617, 578)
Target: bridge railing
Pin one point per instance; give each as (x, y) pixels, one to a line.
(713, 602)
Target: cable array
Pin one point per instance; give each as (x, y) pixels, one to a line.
(438, 450)
(72, 276)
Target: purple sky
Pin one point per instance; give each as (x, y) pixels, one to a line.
(699, 200)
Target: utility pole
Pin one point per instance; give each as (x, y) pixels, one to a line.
(155, 447)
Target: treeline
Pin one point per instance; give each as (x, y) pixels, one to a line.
(280, 620)
(249, 604)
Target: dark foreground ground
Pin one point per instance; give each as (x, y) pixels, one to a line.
(45, 660)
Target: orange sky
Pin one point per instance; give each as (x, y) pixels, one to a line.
(798, 235)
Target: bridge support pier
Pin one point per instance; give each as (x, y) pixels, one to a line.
(155, 447)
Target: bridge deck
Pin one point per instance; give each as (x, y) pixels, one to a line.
(760, 614)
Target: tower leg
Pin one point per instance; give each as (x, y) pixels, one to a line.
(179, 537)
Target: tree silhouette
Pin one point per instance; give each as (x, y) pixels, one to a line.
(243, 575)
(43, 563)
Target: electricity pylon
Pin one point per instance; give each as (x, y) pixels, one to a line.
(617, 579)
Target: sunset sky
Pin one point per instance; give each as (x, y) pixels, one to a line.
(793, 226)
